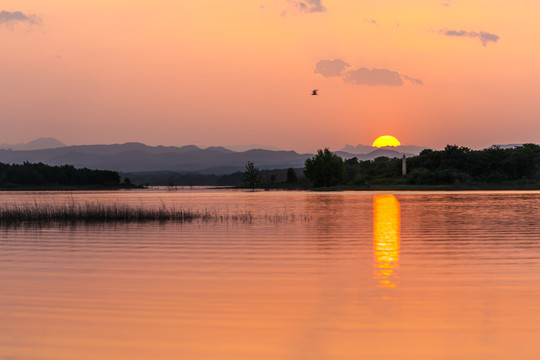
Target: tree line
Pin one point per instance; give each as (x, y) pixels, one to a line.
(455, 165)
(268, 178)
(42, 175)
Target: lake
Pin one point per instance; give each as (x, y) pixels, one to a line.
(314, 275)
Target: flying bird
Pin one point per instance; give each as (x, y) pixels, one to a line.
(315, 92)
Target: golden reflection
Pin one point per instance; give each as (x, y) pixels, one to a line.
(386, 233)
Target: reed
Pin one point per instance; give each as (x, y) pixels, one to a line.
(103, 213)
(95, 212)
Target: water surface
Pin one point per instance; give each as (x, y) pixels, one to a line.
(352, 275)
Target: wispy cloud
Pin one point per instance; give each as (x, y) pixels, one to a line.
(11, 17)
(363, 75)
(413, 80)
(310, 6)
(484, 37)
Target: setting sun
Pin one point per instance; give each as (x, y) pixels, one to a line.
(386, 140)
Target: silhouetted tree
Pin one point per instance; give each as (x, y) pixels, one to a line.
(351, 169)
(520, 164)
(170, 183)
(325, 169)
(252, 177)
(291, 176)
(455, 157)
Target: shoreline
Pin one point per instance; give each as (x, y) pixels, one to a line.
(476, 187)
(336, 188)
(69, 188)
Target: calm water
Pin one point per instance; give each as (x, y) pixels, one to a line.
(352, 276)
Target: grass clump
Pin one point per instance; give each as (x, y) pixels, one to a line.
(95, 212)
(91, 212)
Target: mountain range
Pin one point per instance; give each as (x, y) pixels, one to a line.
(366, 149)
(38, 144)
(138, 157)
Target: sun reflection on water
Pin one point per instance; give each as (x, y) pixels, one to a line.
(386, 234)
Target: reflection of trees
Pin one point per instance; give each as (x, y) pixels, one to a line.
(386, 236)
(327, 221)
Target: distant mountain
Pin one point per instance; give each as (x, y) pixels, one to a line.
(507, 146)
(38, 144)
(385, 151)
(366, 149)
(133, 157)
(240, 148)
(138, 157)
(413, 149)
(358, 149)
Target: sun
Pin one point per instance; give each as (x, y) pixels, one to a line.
(386, 140)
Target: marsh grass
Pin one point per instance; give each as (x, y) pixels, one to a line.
(92, 212)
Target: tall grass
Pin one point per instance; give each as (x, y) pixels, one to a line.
(102, 213)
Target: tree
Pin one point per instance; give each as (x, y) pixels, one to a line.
(170, 183)
(455, 157)
(291, 176)
(351, 169)
(251, 178)
(325, 169)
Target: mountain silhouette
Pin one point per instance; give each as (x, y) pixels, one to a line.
(138, 157)
(37, 144)
(366, 149)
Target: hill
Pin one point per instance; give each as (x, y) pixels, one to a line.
(134, 157)
(366, 149)
(38, 144)
(138, 157)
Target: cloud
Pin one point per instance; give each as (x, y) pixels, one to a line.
(413, 80)
(9, 17)
(374, 77)
(310, 6)
(371, 21)
(363, 75)
(328, 68)
(484, 37)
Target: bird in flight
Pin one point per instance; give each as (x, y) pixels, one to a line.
(315, 92)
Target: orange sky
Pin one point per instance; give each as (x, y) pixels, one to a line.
(241, 72)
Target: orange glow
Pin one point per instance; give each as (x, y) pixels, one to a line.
(147, 68)
(386, 140)
(386, 234)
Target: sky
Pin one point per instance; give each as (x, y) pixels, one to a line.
(217, 72)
